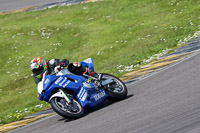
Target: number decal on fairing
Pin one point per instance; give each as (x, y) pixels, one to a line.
(82, 94)
(58, 80)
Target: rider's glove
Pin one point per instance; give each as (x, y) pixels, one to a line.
(59, 67)
(62, 66)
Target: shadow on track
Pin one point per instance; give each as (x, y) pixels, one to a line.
(101, 106)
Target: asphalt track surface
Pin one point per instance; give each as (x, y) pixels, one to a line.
(7, 5)
(165, 102)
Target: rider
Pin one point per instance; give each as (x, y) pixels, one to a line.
(39, 66)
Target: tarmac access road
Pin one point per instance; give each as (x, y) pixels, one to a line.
(167, 101)
(9, 5)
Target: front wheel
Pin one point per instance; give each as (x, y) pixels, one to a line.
(73, 110)
(117, 90)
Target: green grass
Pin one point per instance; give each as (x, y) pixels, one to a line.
(112, 32)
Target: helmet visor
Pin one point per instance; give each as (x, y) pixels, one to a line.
(38, 72)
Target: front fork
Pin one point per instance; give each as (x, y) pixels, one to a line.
(68, 100)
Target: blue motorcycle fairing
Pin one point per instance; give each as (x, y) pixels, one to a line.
(84, 92)
(45, 84)
(87, 96)
(62, 82)
(89, 63)
(90, 98)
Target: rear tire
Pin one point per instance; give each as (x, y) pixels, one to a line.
(73, 111)
(117, 90)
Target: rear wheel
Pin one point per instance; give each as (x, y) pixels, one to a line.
(117, 90)
(73, 110)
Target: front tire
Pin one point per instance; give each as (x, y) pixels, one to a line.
(60, 106)
(116, 90)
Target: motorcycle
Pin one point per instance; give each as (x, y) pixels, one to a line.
(70, 94)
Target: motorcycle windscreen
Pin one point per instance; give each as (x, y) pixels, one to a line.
(89, 63)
